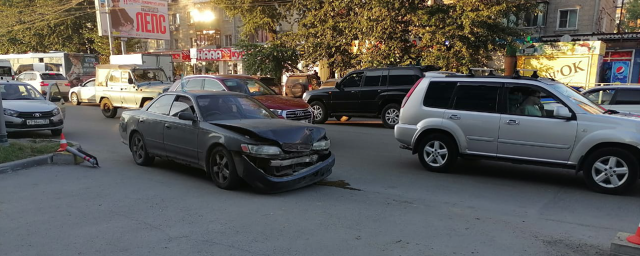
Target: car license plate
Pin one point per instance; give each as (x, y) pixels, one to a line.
(37, 121)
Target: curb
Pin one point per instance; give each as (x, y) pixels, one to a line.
(63, 158)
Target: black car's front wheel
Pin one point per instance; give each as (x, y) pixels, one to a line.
(139, 150)
(319, 112)
(222, 169)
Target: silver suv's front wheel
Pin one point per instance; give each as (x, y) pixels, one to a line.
(438, 152)
(610, 170)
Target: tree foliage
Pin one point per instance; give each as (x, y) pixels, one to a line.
(355, 34)
(631, 15)
(270, 59)
(52, 25)
(473, 29)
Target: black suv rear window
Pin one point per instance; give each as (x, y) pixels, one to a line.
(439, 94)
(52, 76)
(402, 77)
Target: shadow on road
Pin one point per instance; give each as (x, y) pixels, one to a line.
(372, 124)
(514, 173)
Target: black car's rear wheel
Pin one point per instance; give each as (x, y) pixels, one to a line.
(139, 150)
(390, 115)
(108, 110)
(222, 169)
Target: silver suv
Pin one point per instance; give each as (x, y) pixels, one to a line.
(519, 119)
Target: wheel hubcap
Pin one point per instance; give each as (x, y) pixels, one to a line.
(317, 112)
(138, 148)
(220, 168)
(610, 172)
(74, 98)
(435, 153)
(392, 116)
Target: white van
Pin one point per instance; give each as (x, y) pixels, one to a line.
(6, 72)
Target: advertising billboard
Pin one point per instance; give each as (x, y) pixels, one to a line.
(147, 19)
(572, 63)
(219, 54)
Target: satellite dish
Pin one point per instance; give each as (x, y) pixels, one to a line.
(565, 38)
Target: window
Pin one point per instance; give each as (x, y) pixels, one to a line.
(193, 84)
(480, 98)
(402, 78)
(125, 77)
(115, 77)
(353, 80)
(602, 97)
(55, 91)
(214, 108)
(372, 78)
(228, 40)
(182, 104)
(236, 85)
(162, 105)
(5, 71)
(213, 85)
(530, 101)
(568, 19)
(628, 97)
(439, 94)
(174, 19)
(536, 18)
(90, 84)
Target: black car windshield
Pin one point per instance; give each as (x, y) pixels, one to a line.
(19, 92)
(228, 107)
(52, 76)
(149, 75)
(578, 98)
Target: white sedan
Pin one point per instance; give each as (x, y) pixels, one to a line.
(25, 109)
(85, 93)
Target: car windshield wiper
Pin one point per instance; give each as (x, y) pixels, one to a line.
(611, 112)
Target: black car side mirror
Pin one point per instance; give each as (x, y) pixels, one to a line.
(55, 99)
(186, 116)
(130, 80)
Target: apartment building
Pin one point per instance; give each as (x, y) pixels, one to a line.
(561, 17)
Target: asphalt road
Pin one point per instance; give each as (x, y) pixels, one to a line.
(392, 206)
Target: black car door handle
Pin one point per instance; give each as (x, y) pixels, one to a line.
(354, 91)
(167, 126)
(141, 121)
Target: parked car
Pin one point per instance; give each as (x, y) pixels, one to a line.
(40, 80)
(127, 86)
(85, 93)
(6, 72)
(297, 84)
(231, 136)
(503, 118)
(365, 93)
(283, 107)
(26, 109)
(620, 98)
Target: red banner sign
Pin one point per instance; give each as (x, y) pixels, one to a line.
(219, 54)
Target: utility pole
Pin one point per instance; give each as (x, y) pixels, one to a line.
(621, 15)
(4, 141)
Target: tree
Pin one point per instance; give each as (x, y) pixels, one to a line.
(631, 16)
(271, 59)
(465, 33)
(52, 25)
(256, 14)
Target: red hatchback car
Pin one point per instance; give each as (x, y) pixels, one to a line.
(284, 107)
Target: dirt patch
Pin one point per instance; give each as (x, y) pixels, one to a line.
(337, 183)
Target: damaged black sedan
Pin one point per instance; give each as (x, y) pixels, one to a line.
(232, 137)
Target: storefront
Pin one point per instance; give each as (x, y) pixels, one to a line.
(572, 63)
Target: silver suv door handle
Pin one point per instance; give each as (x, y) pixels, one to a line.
(512, 122)
(454, 117)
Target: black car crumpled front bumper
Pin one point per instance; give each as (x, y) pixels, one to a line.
(269, 184)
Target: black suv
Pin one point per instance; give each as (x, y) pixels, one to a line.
(366, 93)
